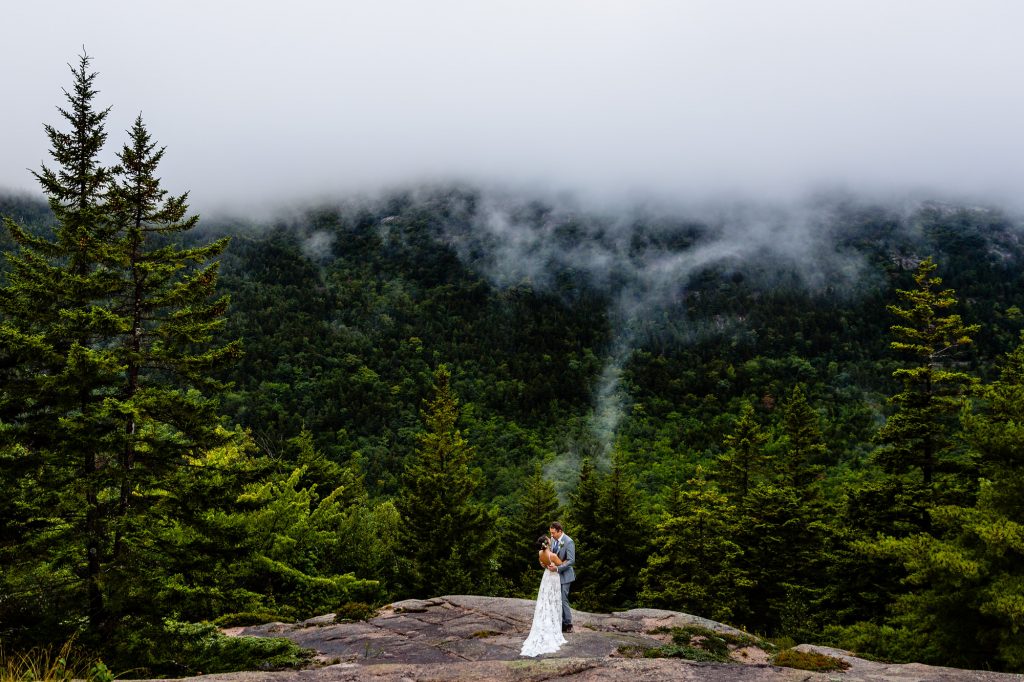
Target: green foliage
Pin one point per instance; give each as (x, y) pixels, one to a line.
(917, 438)
(694, 643)
(187, 649)
(235, 620)
(964, 576)
(744, 458)
(534, 508)
(446, 536)
(874, 641)
(266, 546)
(107, 330)
(353, 611)
(808, 660)
(611, 547)
(694, 565)
(52, 664)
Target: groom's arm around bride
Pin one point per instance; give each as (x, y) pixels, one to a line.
(567, 553)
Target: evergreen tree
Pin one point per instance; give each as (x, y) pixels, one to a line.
(113, 324)
(917, 438)
(168, 317)
(612, 536)
(694, 564)
(446, 534)
(964, 605)
(535, 507)
(744, 460)
(777, 538)
(60, 368)
(803, 448)
(234, 535)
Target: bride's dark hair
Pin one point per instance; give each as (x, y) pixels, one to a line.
(542, 542)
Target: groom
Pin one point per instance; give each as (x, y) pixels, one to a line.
(565, 548)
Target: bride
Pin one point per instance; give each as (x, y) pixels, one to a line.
(546, 634)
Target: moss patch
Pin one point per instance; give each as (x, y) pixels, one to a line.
(693, 643)
(807, 660)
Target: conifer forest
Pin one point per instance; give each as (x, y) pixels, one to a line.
(805, 422)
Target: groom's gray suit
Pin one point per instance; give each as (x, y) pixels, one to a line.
(565, 548)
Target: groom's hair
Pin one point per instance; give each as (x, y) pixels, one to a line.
(556, 525)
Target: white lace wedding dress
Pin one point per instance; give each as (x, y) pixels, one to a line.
(546, 634)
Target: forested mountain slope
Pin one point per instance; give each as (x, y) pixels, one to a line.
(345, 312)
(710, 398)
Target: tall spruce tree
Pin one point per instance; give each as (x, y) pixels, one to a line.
(609, 530)
(60, 369)
(112, 322)
(803, 448)
(446, 534)
(695, 562)
(168, 315)
(964, 607)
(535, 507)
(917, 439)
(744, 460)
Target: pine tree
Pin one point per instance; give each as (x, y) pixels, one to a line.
(695, 563)
(535, 507)
(964, 607)
(59, 369)
(112, 323)
(917, 438)
(803, 448)
(445, 532)
(744, 460)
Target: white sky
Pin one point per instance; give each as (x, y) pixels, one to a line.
(259, 101)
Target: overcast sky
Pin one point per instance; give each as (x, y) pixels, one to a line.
(262, 101)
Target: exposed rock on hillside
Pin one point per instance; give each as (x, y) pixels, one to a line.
(478, 638)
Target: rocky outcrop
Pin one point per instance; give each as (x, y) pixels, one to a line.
(478, 638)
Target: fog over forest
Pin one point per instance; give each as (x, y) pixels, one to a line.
(262, 105)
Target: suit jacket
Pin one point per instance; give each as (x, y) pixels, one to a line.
(567, 553)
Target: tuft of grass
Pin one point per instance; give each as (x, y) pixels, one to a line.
(693, 643)
(807, 660)
(354, 611)
(47, 664)
(483, 634)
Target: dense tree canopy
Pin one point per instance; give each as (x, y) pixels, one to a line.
(767, 440)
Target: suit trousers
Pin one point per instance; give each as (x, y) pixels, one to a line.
(566, 611)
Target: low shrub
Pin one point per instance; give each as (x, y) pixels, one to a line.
(247, 618)
(353, 611)
(186, 649)
(693, 643)
(808, 660)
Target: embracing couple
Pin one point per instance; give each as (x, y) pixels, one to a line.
(552, 615)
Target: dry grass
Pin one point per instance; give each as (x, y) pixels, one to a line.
(49, 664)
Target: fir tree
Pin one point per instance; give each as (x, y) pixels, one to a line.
(113, 324)
(168, 316)
(803, 447)
(535, 507)
(964, 607)
(446, 534)
(612, 536)
(917, 438)
(695, 562)
(744, 460)
(60, 368)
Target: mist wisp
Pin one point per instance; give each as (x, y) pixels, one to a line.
(643, 260)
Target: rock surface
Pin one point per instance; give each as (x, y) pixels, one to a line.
(478, 638)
